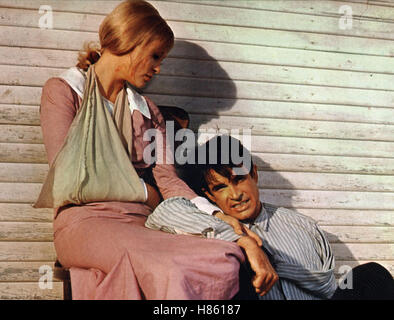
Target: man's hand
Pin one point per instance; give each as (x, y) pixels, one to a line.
(265, 276)
(238, 227)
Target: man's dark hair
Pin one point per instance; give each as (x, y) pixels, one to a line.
(221, 154)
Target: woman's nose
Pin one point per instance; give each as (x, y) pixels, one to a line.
(156, 69)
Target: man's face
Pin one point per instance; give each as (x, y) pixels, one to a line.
(237, 196)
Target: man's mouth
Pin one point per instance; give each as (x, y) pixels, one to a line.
(240, 206)
(148, 77)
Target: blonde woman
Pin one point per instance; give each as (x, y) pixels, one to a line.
(111, 255)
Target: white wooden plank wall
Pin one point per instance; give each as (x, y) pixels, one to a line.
(318, 99)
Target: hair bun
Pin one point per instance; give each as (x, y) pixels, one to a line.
(89, 55)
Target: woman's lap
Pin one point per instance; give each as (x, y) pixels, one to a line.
(163, 264)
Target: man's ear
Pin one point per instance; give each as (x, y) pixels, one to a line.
(255, 175)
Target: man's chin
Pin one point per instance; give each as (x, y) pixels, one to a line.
(244, 215)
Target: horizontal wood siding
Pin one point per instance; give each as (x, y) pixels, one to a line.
(318, 100)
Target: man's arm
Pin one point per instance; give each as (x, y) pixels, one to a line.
(180, 216)
(265, 275)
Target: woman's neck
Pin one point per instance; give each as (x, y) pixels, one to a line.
(108, 81)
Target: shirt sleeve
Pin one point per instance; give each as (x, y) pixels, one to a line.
(179, 215)
(320, 282)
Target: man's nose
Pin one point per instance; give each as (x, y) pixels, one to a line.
(235, 193)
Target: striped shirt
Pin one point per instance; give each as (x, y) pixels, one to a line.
(294, 243)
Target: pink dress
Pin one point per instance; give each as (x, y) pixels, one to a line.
(110, 253)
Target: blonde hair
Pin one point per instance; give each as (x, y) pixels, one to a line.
(130, 24)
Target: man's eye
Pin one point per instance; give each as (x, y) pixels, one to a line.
(156, 57)
(218, 187)
(239, 178)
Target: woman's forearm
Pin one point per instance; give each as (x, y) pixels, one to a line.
(153, 196)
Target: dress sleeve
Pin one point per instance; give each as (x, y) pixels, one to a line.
(57, 111)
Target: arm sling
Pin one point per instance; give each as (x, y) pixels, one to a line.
(94, 163)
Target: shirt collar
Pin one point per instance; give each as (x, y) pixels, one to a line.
(76, 78)
(262, 219)
(137, 101)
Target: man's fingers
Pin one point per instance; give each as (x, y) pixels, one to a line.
(258, 281)
(261, 282)
(236, 225)
(273, 279)
(253, 235)
(238, 228)
(264, 283)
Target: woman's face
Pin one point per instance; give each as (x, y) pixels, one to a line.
(143, 63)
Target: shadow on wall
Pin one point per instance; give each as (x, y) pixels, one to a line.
(284, 197)
(195, 81)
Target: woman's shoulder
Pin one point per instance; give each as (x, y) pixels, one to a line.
(68, 85)
(73, 78)
(55, 88)
(58, 92)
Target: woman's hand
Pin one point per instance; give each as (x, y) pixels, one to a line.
(238, 227)
(153, 197)
(265, 276)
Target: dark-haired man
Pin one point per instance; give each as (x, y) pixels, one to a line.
(296, 247)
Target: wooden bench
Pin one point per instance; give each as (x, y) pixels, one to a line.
(63, 274)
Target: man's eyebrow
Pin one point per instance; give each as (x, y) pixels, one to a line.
(238, 177)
